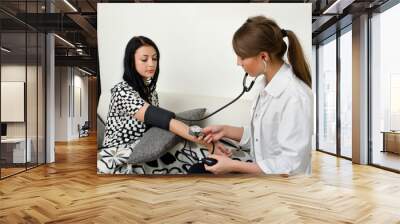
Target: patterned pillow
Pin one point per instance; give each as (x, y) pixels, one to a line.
(155, 141)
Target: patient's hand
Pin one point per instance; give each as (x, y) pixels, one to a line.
(221, 150)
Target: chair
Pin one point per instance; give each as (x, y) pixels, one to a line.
(84, 130)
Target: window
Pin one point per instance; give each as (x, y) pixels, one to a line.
(394, 102)
(385, 89)
(22, 66)
(327, 96)
(346, 93)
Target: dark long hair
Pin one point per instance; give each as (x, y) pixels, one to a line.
(259, 34)
(131, 76)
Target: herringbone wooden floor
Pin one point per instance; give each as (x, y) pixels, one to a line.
(69, 191)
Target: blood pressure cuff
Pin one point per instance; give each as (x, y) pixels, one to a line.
(158, 117)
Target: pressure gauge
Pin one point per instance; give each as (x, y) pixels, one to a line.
(195, 130)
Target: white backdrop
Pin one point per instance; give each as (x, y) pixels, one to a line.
(195, 41)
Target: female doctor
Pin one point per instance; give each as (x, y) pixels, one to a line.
(279, 134)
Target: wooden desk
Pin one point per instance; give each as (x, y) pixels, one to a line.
(391, 141)
(13, 150)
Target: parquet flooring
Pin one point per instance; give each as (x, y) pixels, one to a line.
(70, 191)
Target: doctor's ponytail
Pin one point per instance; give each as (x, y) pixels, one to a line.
(296, 58)
(259, 34)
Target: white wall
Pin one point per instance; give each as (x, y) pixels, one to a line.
(33, 126)
(61, 111)
(13, 75)
(194, 40)
(67, 80)
(80, 82)
(17, 73)
(12, 101)
(197, 64)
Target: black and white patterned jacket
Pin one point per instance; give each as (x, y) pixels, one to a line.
(122, 127)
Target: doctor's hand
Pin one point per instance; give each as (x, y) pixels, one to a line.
(212, 133)
(223, 166)
(219, 149)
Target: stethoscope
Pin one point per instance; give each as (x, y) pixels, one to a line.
(196, 131)
(245, 89)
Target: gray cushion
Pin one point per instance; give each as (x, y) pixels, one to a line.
(155, 141)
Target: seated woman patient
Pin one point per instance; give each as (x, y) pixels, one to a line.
(133, 107)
